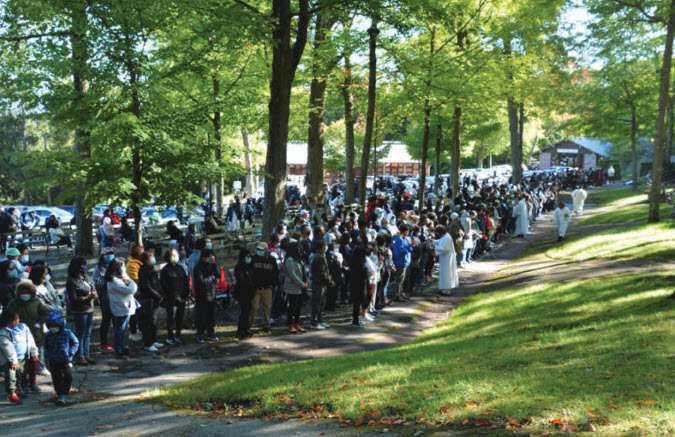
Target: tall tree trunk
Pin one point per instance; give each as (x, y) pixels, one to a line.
(534, 146)
(425, 152)
(456, 147)
(437, 160)
(317, 103)
(349, 128)
(516, 147)
(668, 167)
(24, 139)
(633, 146)
(657, 169)
(427, 118)
(285, 60)
(514, 126)
(251, 182)
(370, 113)
(217, 127)
(84, 241)
(479, 154)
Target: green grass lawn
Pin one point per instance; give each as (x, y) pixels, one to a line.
(584, 353)
(625, 214)
(617, 197)
(652, 240)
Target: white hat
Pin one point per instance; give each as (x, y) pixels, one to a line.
(453, 216)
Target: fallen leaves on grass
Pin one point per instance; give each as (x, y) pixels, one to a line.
(646, 402)
(611, 406)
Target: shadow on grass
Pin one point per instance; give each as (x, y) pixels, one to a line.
(519, 352)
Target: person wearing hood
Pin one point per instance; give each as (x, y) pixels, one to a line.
(175, 287)
(16, 346)
(8, 280)
(60, 347)
(33, 313)
(245, 290)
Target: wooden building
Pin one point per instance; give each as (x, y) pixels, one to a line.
(583, 153)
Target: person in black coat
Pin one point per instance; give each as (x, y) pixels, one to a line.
(205, 277)
(150, 296)
(245, 290)
(175, 286)
(8, 280)
(357, 285)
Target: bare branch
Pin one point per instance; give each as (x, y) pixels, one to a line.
(33, 36)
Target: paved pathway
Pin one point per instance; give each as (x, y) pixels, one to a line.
(106, 403)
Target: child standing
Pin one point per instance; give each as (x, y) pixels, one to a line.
(61, 345)
(16, 346)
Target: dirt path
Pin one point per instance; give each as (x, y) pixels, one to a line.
(106, 403)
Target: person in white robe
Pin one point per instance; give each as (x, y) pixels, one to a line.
(447, 260)
(579, 197)
(522, 218)
(562, 217)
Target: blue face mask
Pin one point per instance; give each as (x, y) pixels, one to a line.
(153, 261)
(109, 258)
(247, 260)
(208, 246)
(12, 273)
(48, 277)
(25, 258)
(260, 252)
(83, 270)
(24, 297)
(54, 329)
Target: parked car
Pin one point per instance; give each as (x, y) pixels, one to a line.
(43, 212)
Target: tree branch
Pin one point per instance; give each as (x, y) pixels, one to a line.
(640, 8)
(249, 7)
(33, 36)
(303, 27)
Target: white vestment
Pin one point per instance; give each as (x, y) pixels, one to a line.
(522, 219)
(579, 196)
(447, 263)
(562, 217)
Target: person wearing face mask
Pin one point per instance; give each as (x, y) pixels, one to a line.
(150, 297)
(193, 260)
(8, 281)
(13, 255)
(245, 290)
(206, 276)
(133, 266)
(60, 348)
(81, 294)
(265, 278)
(175, 287)
(39, 276)
(334, 260)
(121, 290)
(320, 280)
(98, 277)
(33, 313)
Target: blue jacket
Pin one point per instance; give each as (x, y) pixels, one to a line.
(402, 250)
(62, 346)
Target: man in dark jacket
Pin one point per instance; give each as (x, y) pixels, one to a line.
(205, 279)
(265, 277)
(320, 277)
(149, 295)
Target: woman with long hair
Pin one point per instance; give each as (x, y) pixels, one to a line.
(81, 295)
(121, 291)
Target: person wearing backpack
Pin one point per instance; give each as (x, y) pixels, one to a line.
(61, 345)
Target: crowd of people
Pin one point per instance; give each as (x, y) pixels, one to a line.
(327, 256)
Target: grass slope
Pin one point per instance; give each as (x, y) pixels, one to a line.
(617, 197)
(652, 240)
(552, 352)
(626, 214)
